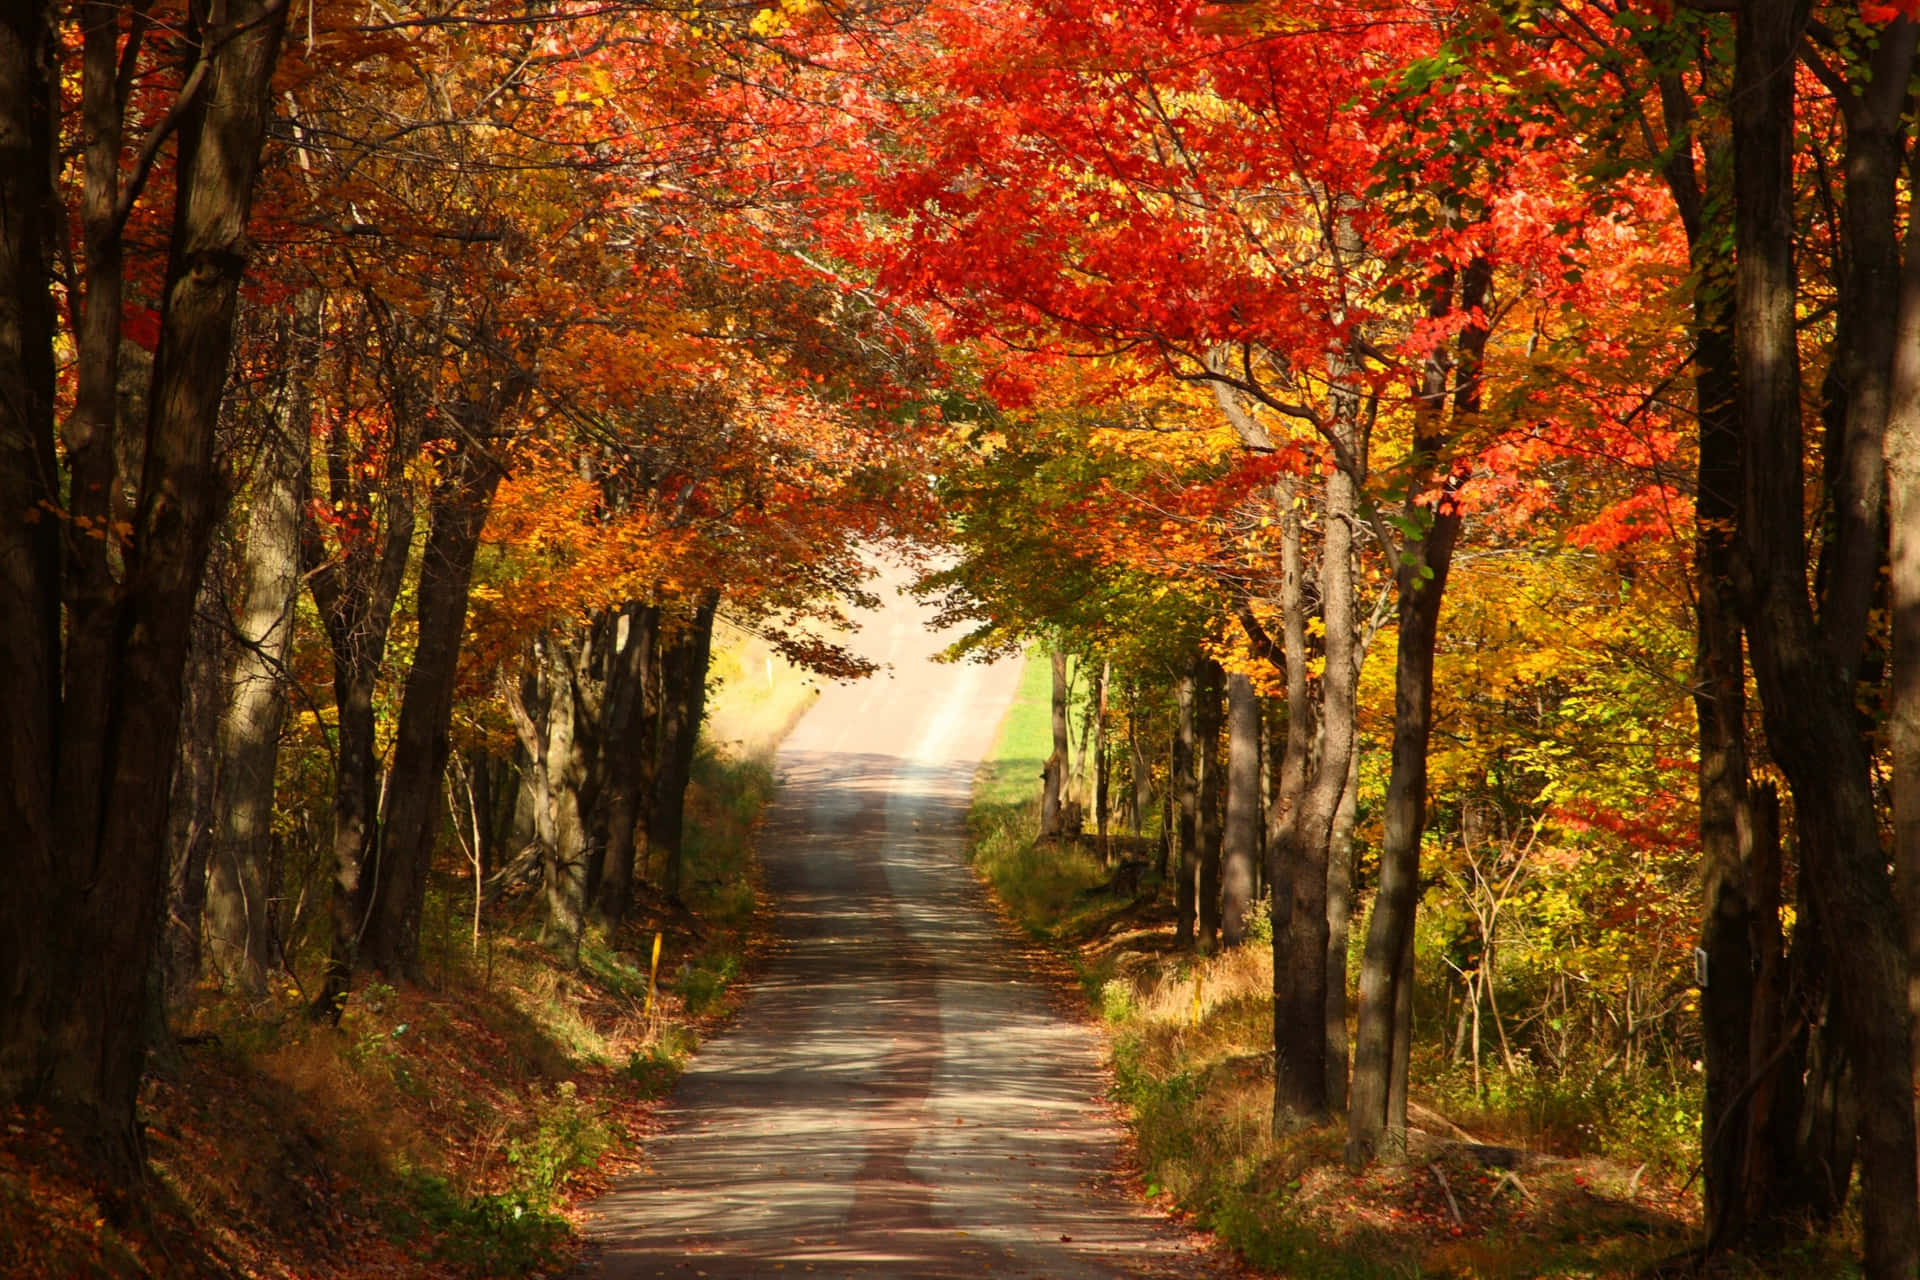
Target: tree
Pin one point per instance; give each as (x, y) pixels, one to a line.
(99, 653)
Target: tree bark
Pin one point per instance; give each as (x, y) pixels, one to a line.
(355, 595)
(1209, 688)
(1053, 775)
(1376, 1116)
(683, 701)
(1339, 927)
(1101, 765)
(1240, 847)
(88, 767)
(461, 500)
(629, 754)
(1806, 698)
(237, 917)
(1184, 785)
(1902, 450)
(1301, 932)
(190, 806)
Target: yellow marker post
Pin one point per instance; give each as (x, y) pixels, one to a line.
(653, 978)
(1195, 1019)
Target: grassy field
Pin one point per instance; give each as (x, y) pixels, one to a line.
(1542, 1178)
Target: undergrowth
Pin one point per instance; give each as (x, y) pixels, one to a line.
(1583, 1174)
(436, 1132)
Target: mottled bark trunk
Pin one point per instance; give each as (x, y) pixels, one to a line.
(1805, 682)
(459, 505)
(1240, 846)
(355, 595)
(238, 928)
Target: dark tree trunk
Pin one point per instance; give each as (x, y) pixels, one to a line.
(1376, 1115)
(460, 503)
(629, 754)
(190, 808)
(1903, 585)
(355, 594)
(1184, 798)
(1209, 688)
(1240, 846)
(683, 701)
(1101, 765)
(1805, 684)
(1139, 769)
(88, 765)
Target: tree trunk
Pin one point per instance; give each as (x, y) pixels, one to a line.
(1240, 847)
(459, 505)
(1339, 926)
(1184, 796)
(1208, 690)
(1807, 699)
(1301, 932)
(629, 752)
(1903, 586)
(355, 594)
(238, 932)
(86, 847)
(1101, 765)
(37, 977)
(190, 808)
(683, 701)
(1139, 769)
(1376, 1118)
(1053, 776)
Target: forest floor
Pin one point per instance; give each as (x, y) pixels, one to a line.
(1529, 1177)
(449, 1130)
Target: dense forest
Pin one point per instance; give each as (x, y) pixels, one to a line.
(1470, 453)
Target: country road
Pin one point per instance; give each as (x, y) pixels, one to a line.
(898, 1097)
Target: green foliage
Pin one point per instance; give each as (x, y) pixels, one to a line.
(567, 1136)
(656, 1065)
(705, 982)
(1638, 1115)
(505, 1233)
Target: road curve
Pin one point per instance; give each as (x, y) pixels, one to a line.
(897, 1098)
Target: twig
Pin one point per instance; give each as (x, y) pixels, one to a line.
(1508, 1175)
(1453, 1206)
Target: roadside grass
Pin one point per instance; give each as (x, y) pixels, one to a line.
(1581, 1177)
(452, 1130)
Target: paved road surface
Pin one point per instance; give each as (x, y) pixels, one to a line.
(897, 1098)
